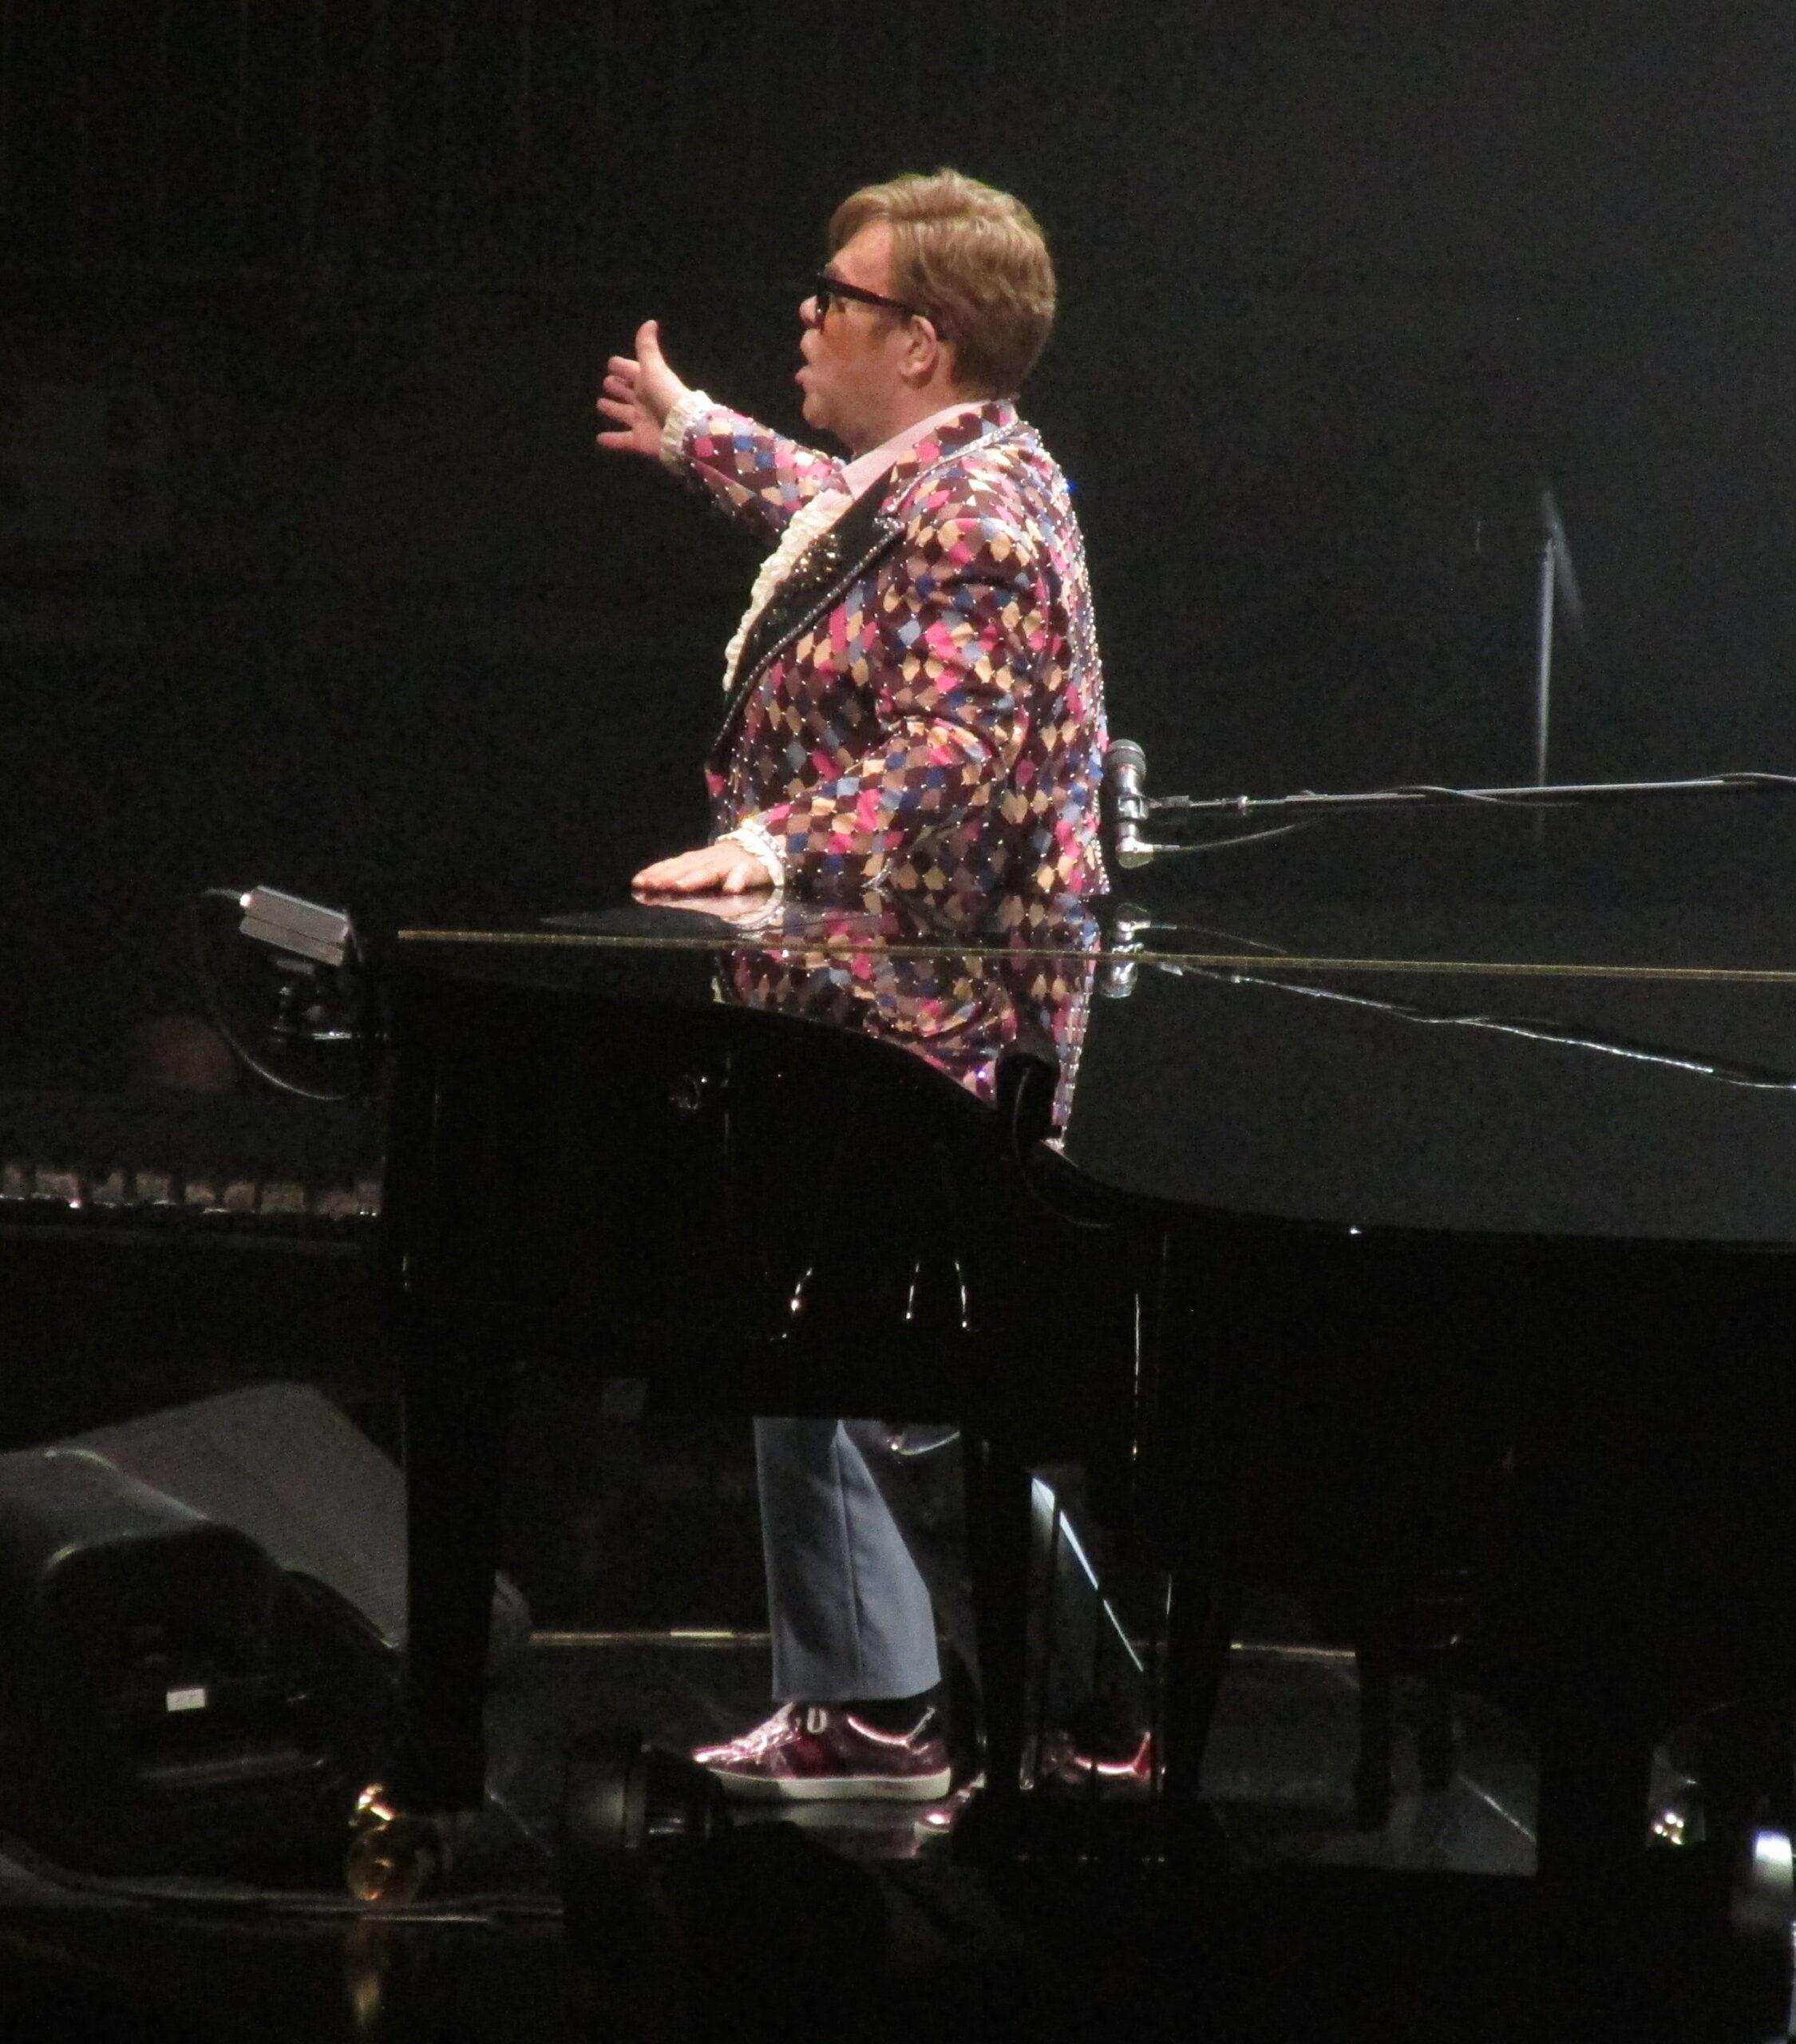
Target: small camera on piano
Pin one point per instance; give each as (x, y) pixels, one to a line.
(322, 996)
(300, 930)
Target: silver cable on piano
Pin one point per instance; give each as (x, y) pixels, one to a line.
(1756, 1077)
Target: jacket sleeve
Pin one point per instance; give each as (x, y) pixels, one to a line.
(955, 652)
(759, 478)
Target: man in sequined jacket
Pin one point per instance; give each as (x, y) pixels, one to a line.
(913, 703)
(915, 691)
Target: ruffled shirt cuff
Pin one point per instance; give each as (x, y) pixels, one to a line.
(753, 836)
(677, 424)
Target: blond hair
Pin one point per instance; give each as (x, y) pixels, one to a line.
(973, 260)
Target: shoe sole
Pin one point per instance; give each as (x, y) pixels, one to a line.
(835, 1789)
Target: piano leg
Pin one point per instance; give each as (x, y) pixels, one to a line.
(1591, 1823)
(1679, 1943)
(1203, 1607)
(1373, 1785)
(1594, 1770)
(457, 1419)
(999, 1526)
(1744, 1898)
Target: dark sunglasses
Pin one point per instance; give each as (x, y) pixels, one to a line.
(826, 291)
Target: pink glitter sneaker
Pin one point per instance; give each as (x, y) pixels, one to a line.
(823, 1752)
(1064, 1764)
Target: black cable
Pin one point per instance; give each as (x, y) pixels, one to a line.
(1021, 1154)
(1248, 838)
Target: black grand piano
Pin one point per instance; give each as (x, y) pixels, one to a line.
(1416, 1226)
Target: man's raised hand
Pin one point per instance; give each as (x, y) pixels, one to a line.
(639, 392)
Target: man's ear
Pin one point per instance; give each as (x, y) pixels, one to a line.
(927, 352)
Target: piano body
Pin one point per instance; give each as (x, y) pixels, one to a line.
(1442, 1258)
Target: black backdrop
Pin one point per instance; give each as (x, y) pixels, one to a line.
(309, 573)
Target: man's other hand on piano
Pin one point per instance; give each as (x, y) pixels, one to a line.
(724, 868)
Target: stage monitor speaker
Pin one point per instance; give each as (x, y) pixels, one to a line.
(281, 1463)
(201, 1621)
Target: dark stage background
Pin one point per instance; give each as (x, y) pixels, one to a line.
(309, 571)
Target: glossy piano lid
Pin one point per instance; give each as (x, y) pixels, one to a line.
(1582, 1026)
(1489, 1027)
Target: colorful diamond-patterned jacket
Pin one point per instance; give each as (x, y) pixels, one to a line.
(944, 978)
(920, 703)
(854, 1158)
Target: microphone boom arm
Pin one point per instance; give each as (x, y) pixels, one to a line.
(1530, 795)
(1128, 808)
(1277, 814)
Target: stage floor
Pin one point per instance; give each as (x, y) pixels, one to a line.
(1417, 1930)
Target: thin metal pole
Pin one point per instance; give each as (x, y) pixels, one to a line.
(160, 118)
(239, 134)
(601, 239)
(311, 197)
(836, 36)
(11, 202)
(378, 114)
(84, 126)
(523, 138)
(1543, 657)
(445, 128)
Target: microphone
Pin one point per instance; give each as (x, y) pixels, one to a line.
(1123, 805)
(1121, 969)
